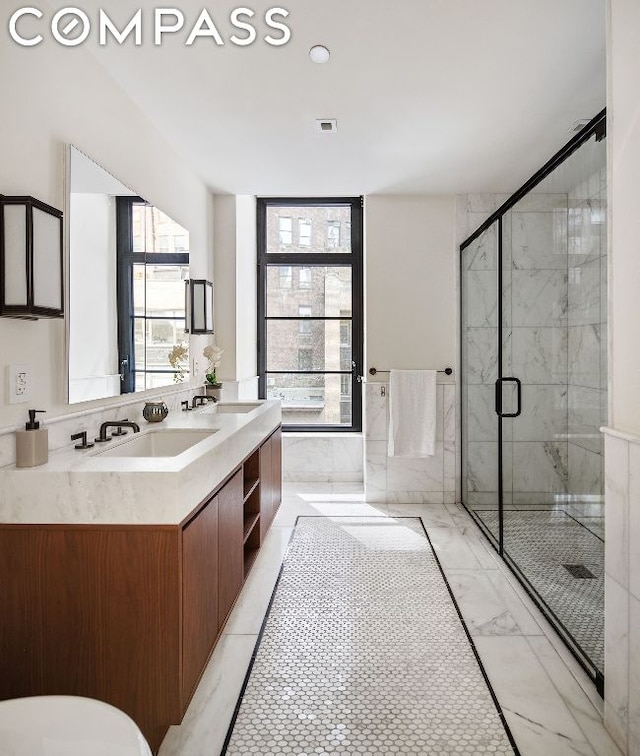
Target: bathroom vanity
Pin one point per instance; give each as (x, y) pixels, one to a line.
(122, 590)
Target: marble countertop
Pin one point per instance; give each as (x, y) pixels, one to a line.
(89, 487)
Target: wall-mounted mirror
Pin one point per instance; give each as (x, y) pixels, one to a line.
(127, 263)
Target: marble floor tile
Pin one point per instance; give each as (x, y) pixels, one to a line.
(583, 709)
(549, 703)
(529, 698)
(203, 730)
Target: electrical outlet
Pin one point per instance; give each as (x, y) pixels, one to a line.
(195, 367)
(19, 383)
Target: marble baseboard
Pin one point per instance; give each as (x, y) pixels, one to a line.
(323, 457)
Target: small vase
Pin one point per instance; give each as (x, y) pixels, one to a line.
(214, 390)
(155, 412)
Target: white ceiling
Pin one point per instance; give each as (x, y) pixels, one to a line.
(431, 96)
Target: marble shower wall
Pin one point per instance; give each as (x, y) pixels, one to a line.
(429, 480)
(587, 329)
(535, 311)
(553, 339)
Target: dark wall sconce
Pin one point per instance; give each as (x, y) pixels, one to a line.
(199, 306)
(31, 259)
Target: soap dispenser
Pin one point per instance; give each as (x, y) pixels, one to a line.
(32, 443)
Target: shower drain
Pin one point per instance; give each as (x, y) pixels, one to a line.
(579, 571)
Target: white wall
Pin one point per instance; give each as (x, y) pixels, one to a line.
(622, 441)
(411, 314)
(51, 96)
(235, 293)
(410, 282)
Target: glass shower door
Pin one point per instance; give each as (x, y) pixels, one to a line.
(548, 536)
(480, 359)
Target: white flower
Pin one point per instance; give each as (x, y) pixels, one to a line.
(214, 354)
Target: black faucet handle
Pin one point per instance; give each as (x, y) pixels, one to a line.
(185, 406)
(82, 436)
(120, 431)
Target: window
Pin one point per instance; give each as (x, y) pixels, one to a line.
(304, 232)
(286, 276)
(151, 276)
(304, 278)
(304, 311)
(285, 234)
(310, 332)
(333, 234)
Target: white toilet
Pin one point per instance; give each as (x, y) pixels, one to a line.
(67, 726)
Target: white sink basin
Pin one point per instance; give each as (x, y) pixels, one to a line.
(237, 407)
(158, 443)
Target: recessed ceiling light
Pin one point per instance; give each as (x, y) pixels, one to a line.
(327, 125)
(319, 54)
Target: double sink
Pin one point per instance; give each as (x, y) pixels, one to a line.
(169, 442)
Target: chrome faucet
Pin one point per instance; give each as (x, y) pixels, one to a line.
(120, 424)
(201, 399)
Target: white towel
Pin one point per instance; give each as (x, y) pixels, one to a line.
(412, 413)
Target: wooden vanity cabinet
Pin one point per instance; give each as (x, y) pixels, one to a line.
(230, 555)
(129, 614)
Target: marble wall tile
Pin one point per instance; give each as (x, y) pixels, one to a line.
(586, 218)
(586, 472)
(539, 240)
(482, 253)
(481, 354)
(376, 407)
(482, 467)
(539, 297)
(479, 290)
(484, 202)
(616, 661)
(633, 504)
(322, 457)
(585, 352)
(414, 497)
(540, 354)
(586, 417)
(480, 418)
(634, 677)
(540, 202)
(540, 466)
(375, 479)
(544, 413)
(419, 474)
(449, 414)
(449, 467)
(527, 499)
(584, 293)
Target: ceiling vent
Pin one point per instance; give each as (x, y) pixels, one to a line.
(578, 125)
(326, 125)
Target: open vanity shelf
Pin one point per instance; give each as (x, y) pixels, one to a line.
(130, 614)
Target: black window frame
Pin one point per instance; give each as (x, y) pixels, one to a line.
(353, 259)
(126, 259)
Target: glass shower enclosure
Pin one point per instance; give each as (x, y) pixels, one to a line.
(534, 387)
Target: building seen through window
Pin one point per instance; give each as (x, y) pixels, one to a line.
(311, 311)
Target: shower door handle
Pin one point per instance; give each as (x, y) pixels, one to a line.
(498, 406)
